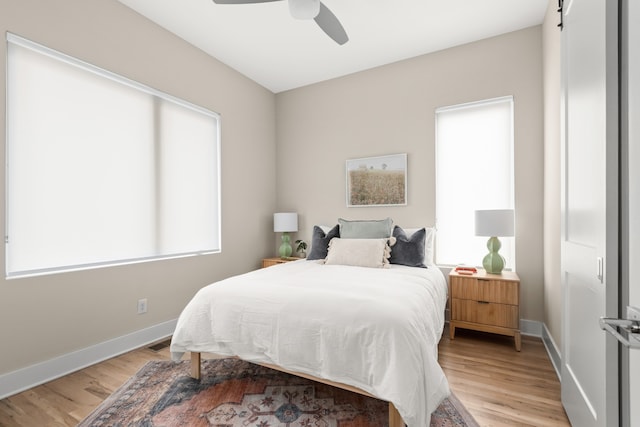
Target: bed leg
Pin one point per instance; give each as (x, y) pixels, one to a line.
(395, 420)
(195, 365)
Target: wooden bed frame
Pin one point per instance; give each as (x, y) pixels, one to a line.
(395, 420)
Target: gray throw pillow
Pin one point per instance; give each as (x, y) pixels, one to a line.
(320, 242)
(408, 251)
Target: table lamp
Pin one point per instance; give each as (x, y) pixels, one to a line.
(285, 222)
(494, 223)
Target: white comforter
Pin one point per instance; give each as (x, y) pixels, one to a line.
(375, 329)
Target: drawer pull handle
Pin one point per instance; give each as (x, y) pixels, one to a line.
(483, 302)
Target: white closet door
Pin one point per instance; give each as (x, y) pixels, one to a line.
(589, 232)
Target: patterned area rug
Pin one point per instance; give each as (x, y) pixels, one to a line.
(240, 394)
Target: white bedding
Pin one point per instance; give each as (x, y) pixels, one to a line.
(372, 328)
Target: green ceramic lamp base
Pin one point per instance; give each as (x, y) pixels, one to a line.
(493, 262)
(285, 247)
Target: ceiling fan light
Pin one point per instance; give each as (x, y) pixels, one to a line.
(304, 9)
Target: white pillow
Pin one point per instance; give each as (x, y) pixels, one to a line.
(359, 252)
(326, 228)
(428, 242)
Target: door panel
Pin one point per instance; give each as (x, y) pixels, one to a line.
(589, 211)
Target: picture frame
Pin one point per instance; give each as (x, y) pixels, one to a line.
(377, 181)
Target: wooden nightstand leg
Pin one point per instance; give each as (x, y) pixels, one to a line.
(518, 340)
(195, 365)
(452, 330)
(395, 420)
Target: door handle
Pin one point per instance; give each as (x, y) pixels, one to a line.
(630, 325)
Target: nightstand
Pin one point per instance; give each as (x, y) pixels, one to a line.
(486, 302)
(268, 262)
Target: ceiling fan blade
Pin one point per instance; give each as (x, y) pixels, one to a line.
(328, 22)
(242, 1)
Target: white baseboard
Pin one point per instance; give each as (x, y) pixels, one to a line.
(531, 327)
(31, 376)
(552, 350)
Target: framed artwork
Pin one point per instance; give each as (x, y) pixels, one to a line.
(377, 181)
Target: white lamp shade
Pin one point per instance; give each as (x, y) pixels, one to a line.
(304, 9)
(285, 222)
(494, 223)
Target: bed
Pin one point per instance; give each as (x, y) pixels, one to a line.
(370, 330)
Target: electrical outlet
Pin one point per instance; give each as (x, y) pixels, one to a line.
(142, 306)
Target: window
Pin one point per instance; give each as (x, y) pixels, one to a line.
(474, 170)
(103, 170)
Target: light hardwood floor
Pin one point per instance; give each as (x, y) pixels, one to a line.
(499, 386)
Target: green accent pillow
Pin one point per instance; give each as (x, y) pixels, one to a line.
(365, 229)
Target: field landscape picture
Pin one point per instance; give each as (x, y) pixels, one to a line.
(377, 181)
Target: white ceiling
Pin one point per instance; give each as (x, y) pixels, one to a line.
(263, 42)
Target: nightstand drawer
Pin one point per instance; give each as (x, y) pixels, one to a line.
(480, 289)
(486, 313)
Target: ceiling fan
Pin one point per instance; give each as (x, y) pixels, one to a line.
(307, 9)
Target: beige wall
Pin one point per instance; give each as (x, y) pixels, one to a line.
(43, 317)
(552, 282)
(386, 110)
(390, 110)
